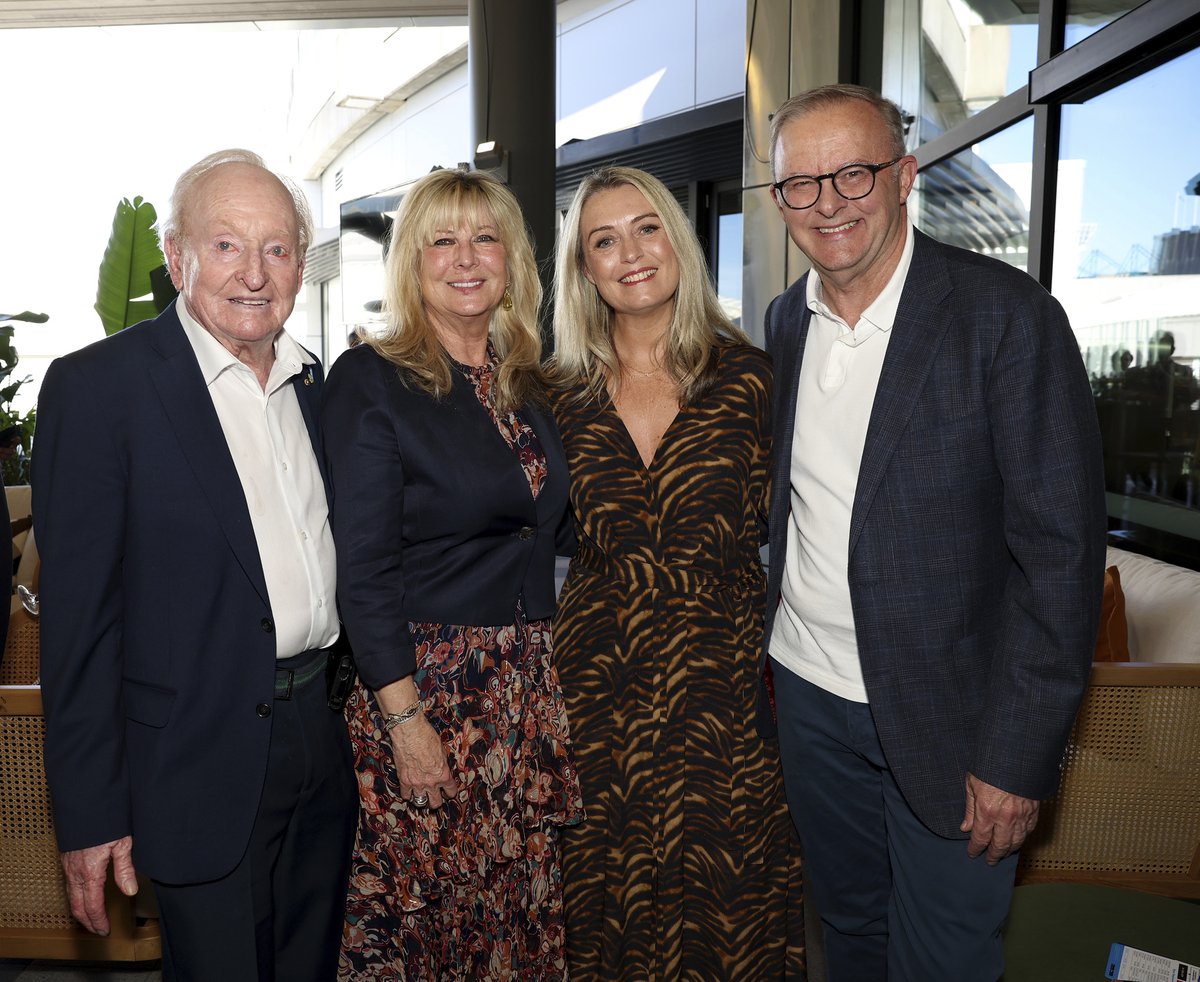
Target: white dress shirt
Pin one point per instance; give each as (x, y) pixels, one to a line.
(814, 635)
(277, 466)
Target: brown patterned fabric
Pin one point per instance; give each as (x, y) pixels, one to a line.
(471, 891)
(687, 866)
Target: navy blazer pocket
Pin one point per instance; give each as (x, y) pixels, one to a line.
(147, 703)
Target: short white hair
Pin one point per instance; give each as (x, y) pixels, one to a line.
(173, 226)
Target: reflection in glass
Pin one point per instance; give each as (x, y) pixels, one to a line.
(729, 253)
(365, 225)
(1127, 269)
(979, 199)
(973, 53)
(1086, 17)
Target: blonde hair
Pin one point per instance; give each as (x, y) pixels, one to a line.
(457, 198)
(584, 353)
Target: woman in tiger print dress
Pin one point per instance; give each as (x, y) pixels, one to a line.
(687, 866)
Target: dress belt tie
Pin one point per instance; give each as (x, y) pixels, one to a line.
(672, 579)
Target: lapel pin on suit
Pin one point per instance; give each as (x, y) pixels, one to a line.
(308, 376)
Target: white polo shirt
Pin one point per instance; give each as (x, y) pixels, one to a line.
(814, 634)
(277, 466)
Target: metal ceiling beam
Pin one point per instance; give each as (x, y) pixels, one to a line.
(102, 13)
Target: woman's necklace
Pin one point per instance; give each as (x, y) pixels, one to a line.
(630, 370)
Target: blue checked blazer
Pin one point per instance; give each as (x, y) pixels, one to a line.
(976, 549)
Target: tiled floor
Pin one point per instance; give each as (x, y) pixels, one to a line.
(25, 971)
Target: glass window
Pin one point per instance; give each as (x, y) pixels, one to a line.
(1086, 17)
(1127, 269)
(973, 53)
(979, 199)
(729, 252)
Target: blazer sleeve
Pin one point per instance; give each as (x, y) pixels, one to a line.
(1046, 442)
(366, 475)
(79, 504)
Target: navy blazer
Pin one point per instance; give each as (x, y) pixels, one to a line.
(432, 512)
(157, 639)
(976, 549)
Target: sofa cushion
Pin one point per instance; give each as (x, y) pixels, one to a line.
(1162, 608)
(1112, 643)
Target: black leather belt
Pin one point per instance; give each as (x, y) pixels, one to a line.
(300, 671)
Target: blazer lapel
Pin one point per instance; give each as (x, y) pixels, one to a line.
(189, 408)
(789, 337)
(308, 393)
(912, 350)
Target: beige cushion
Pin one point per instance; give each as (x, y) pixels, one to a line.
(1162, 608)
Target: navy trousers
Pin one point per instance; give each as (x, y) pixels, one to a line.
(278, 915)
(897, 903)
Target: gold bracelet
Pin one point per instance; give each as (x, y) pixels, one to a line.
(392, 720)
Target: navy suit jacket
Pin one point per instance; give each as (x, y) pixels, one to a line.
(976, 548)
(432, 512)
(156, 629)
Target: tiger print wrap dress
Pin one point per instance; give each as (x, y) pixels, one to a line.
(686, 866)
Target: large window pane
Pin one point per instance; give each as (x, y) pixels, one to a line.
(979, 199)
(1127, 268)
(1086, 17)
(729, 252)
(973, 52)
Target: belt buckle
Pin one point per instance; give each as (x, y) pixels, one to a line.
(286, 695)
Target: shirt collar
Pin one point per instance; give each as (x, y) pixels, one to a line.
(214, 358)
(881, 312)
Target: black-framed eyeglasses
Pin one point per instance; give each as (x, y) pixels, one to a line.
(852, 182)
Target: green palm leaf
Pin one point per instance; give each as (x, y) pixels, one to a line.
(133, 252)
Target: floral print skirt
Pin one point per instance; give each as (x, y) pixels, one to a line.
(471, 890)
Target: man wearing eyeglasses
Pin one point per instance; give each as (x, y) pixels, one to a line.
(937, 553)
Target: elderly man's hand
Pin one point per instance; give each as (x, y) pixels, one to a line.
(998, 821)
(87, 869)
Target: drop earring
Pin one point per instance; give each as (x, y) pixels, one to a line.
(506, 301)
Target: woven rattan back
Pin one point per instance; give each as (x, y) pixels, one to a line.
(20, 663)
(31, 888)
(1126, 813)
(35, 918)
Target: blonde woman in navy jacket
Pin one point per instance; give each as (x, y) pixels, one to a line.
(449, 486)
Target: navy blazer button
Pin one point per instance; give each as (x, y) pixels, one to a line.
(263, 710)
(267, 625)
(526, 533)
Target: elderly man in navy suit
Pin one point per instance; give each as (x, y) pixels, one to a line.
(188, 611)
(937, 547)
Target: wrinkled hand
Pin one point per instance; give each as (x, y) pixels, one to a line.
(998, 821)
(87, 869)
(421, 763)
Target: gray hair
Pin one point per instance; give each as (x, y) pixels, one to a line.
(173, 227)
(834, 95)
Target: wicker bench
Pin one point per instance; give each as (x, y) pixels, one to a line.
(1126, 813)
(35, 918)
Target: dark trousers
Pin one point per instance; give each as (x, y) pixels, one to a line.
(278, 915)
(897, 903)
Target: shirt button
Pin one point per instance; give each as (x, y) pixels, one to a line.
(267, 625)
(320, 602)
(303, 535)
(526, 533)
(262, 710)
(284, 465)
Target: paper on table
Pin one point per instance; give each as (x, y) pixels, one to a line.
(1127, 964)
